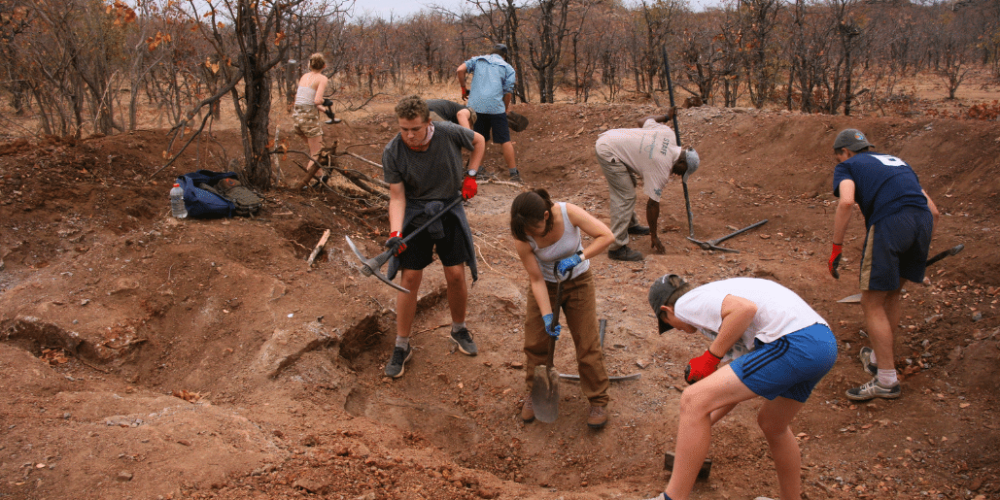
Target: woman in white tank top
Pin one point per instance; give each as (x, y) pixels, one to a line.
(308, 103)
(548, 236)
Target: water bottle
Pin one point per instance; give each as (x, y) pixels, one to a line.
(177, 202)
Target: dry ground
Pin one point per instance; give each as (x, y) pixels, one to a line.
(145, 357)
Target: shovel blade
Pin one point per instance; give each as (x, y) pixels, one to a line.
(545, 393)
(851, 299)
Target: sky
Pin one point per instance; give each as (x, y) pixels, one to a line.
(403, 8)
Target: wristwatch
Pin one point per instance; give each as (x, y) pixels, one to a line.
(472, 173)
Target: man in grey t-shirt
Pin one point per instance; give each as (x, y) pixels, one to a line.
(449, 111)
(424, 169)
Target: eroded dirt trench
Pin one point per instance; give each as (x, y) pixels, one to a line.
(146, 357)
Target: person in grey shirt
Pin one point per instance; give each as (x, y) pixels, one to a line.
(424, 169)
(450, 111)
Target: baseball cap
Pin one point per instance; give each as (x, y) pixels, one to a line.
(851, 139)
(693, 160)
(659, 295)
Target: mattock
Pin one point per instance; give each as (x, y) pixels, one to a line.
(373, 266)
(710, 244)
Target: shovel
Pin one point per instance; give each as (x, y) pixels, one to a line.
(856, 298)
(373, 266)
(545, 388)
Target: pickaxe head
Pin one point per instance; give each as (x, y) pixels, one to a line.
(373, 267)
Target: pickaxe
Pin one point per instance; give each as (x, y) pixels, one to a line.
(692, 165)
(373, 266)
(713, 244)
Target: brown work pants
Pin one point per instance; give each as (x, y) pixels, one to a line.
(579, 308)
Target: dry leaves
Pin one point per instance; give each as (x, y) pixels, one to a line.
(54, 356)
(188, 396)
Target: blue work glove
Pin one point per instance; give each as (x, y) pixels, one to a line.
(566, 265)
(551, 329)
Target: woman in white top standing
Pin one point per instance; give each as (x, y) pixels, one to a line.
(308, 103)
(547, 236)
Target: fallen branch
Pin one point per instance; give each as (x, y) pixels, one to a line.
(319, 246)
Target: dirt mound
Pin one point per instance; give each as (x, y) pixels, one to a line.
(145, 356)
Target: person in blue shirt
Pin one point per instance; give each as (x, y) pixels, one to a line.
(489, 96)
(900, 219)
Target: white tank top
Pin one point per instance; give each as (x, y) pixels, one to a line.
(305, 96)
(567, 245)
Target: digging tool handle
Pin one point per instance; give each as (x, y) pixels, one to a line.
(384, 257)
(734, 233)
(555, 315)
(670, 90)
(949, 252)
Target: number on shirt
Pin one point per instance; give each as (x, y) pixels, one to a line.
(890, 160)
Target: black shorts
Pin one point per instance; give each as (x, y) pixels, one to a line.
(896, 247)
(497, 123)
(451, 249)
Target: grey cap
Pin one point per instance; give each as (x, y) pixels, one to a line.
(501, 49)
(692, 158)
(660, 294)
(852, 139)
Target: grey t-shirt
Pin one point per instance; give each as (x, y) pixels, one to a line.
(434, 174)
(445, 109)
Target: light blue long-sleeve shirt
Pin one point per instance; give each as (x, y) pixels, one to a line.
(492, 77)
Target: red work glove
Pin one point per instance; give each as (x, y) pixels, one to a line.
(701, 367)
(835, 260)
(469, 188)
(465, 94)
(396, 243)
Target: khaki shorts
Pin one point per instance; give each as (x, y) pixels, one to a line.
(306, 120)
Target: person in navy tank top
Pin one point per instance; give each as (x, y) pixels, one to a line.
(899, 219)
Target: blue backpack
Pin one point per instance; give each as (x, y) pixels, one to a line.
(201, 203)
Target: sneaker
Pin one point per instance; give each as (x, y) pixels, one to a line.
(515, 176)
(598, 417)
(465, 342)
(625, 253)
(400, 356)
(872, 390)
(638, 230)
(866, 361)
(528, 410)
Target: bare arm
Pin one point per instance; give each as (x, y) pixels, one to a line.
(652, 219)
(320, 92)
(537, 282)
(737, 314)
(397, 206)
(478, 151)
(592, 227)
(463, 116)
(506, 102)
(843, 214)
(934, 210)
(460, 76)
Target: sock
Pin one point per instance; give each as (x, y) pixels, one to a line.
(403, 342)
(457, 326)
(887, 378)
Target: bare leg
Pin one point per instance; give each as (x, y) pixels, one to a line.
(773, 419)
(315, 145)
(879, 308)
(458, 294)
(406, 303)
(720, 390)
(508, 155)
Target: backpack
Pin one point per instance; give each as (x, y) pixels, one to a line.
(201, 203)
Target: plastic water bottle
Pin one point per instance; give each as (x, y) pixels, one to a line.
(177, 202)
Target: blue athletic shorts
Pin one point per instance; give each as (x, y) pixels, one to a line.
(896, 247)
(420, 250)
(789, 367)
(497, 123)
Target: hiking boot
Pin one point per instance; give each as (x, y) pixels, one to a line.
(866, 361)
(527, 410)
(515, 176)
(598, 417)
(638, 230)
(400, 356)
(465, 342)
(625, 253)
(873, 390)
